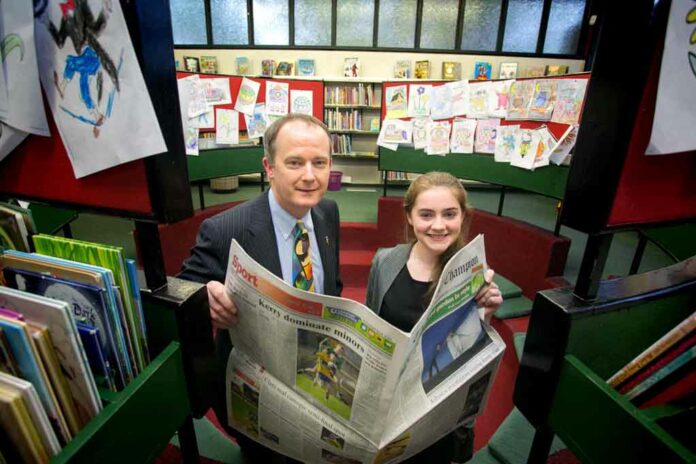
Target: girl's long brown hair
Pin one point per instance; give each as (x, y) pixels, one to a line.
(426, 182)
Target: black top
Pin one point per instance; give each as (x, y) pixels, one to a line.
(403, 303)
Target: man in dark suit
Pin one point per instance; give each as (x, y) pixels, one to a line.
(297, 162)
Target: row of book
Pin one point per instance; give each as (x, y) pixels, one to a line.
(482, 70)
(663, 373)
(343, 119)
(362, 94)
(341, 144)
(71, 324)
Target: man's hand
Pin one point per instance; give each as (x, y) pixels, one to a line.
(223, 312)
(489, 297)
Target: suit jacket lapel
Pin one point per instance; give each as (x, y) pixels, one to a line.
(325, 242)
(263, 239)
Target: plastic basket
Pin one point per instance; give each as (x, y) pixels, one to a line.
(335, 180)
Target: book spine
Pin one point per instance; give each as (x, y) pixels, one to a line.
(656, 349)
(662, 373)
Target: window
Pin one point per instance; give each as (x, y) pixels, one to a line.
(312, 22)
(397, 23)
(354, 23)
(271, 25)
(432, 25)
(229, 21)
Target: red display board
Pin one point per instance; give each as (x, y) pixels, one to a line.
(655, 188)
(316, 87)
(555, 128)
(39, 169)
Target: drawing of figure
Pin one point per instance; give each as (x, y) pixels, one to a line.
(78, 23)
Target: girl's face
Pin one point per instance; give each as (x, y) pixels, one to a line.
(436, 219)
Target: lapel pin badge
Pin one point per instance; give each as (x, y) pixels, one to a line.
(326, 239)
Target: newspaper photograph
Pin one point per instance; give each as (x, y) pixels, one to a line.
(324, 379)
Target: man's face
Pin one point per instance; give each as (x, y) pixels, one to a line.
(300, 174)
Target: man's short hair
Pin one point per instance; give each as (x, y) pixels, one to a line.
(269, 137)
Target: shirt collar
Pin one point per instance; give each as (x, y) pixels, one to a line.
(285, 221)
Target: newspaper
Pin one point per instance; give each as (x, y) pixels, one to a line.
(324, 379)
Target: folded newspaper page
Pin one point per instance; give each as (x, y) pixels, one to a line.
(324, 379)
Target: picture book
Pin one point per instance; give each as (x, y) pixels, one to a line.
(11, 232)
(482, 71)
(478, 99)
(396, 101)
(301, 101)
(192, 64)
(32, 369)
(463, 132)
(507, 71)
(285, 68)
(519, 98)
(506, 142)
(351, 67)
(267, 67)
(57, 317)
(20, 429)
(536, 71)
(277, 94)
(8, 363)
(36, 411)
(27, 216)
(419, 99)
(451, 70)
(441, 102)
(109, 257)
(570, 96)
(498, 96)
(486, 135)
(438, 137)
(55, 375)
(209, 64)
(402, 69)
(543, 99)
(305, 67)
(460, 97)
(556, 70)
(523, 157)
(243, 65)
(247, 96)
(90, 337)
(682, 361)
(88, 275)
(88, 303)
(422, 69)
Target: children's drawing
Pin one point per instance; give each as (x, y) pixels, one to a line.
(191, 141)
(420, 132)
(257, 124)
(498, 96)
(463, 130)
(397, 103)
(547, 142)
(217, 91)
(486, 134)
(438, 138)
(524, 155)
(506, 142)
(571, 93)
(301, 101)
(441, 106)
(565, 144)
(276, 98)
(518, 99)
(419, 100)
(478, 99)
(246, 99)
(226, 126)
(543, 99)
(460, 97)
(93, 84)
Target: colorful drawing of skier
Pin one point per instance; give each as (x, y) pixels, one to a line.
(79, 24)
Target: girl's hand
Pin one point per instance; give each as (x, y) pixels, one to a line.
(489, 297)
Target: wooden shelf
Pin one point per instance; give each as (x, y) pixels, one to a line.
(342, 106)
(355, 155)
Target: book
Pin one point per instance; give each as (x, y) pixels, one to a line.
(482, 71)
(451, 70)
(15, 419)
(305, 67)
(536, 71)
(192, 64)
(555, 70)
(351, 67)
(243, 65)
(507, 71)
(267, 67)
(684, 361)
(208, 64)
(91, 276)
(36, 411)
(422, 69)
(8, 363)
(90, 337)
(402, 69)
(653, 351)
(679, 390)
(12, 232)
(47, 353)
(284, 68)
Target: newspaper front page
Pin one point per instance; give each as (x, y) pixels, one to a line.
(324, 379)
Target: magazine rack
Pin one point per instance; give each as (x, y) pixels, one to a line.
(578, 337)
(137, 422)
